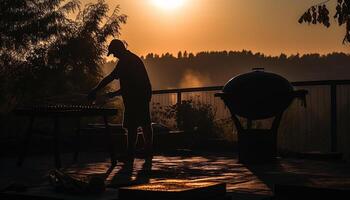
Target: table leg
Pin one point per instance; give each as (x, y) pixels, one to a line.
(77, 142)
(249, 123)
(110, 142)
(56, 133)
(25, 142)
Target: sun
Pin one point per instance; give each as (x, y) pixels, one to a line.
(168, 4)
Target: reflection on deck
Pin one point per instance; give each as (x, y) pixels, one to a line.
(256, 180)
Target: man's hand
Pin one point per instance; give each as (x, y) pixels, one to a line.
(92, 95)
(113, 94)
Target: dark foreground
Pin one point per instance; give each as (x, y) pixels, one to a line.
(243, 181)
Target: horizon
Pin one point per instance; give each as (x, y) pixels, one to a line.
(109, 59)
(253, 52)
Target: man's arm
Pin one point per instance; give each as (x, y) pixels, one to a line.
(105, 81)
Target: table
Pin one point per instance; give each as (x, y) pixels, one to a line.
(56, 113)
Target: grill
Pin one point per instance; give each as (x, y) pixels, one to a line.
(66, 110)
(57, 112)
(253, 96)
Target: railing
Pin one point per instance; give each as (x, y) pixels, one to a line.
(326, 118)
(332, 84)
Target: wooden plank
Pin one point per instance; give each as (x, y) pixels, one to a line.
(174, 189)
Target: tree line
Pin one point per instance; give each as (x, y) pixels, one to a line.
(216, 67)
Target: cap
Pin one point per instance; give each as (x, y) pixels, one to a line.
(116, 45)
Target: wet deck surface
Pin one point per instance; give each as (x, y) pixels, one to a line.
(242, 180)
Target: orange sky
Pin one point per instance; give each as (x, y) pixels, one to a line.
(268, 26)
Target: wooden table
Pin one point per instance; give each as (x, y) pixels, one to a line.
(56, 113)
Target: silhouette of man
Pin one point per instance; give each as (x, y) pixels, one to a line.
(136, 90)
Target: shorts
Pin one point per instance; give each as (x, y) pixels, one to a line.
(136, 114)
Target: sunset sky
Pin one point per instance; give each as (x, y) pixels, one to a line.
(268, 26)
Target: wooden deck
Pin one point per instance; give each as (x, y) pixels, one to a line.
(243, 182)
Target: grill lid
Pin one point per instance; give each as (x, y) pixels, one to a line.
(258, 94)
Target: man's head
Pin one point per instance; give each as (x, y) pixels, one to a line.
(117, 48)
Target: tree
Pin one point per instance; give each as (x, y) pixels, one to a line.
(179, 55)
(45, 53)
(149, 56)
(185, 55)
(319, 14)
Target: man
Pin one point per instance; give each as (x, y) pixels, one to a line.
(136, 90)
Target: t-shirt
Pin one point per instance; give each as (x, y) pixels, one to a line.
(134, 82)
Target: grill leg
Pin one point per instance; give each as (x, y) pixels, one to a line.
(110, 142)
(25, 142)
(56, 143)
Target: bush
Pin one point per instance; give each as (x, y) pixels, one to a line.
(189, 116)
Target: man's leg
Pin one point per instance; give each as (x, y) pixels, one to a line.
(148, 135)
(132, 134)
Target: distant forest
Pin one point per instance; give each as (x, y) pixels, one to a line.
(217, 67)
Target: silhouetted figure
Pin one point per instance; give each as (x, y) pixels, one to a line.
(136, 90)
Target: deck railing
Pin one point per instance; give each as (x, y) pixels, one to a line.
(322, 126)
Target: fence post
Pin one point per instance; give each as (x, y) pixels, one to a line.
(178, 98)
(334, 135)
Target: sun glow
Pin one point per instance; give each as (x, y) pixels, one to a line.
(168, 4)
